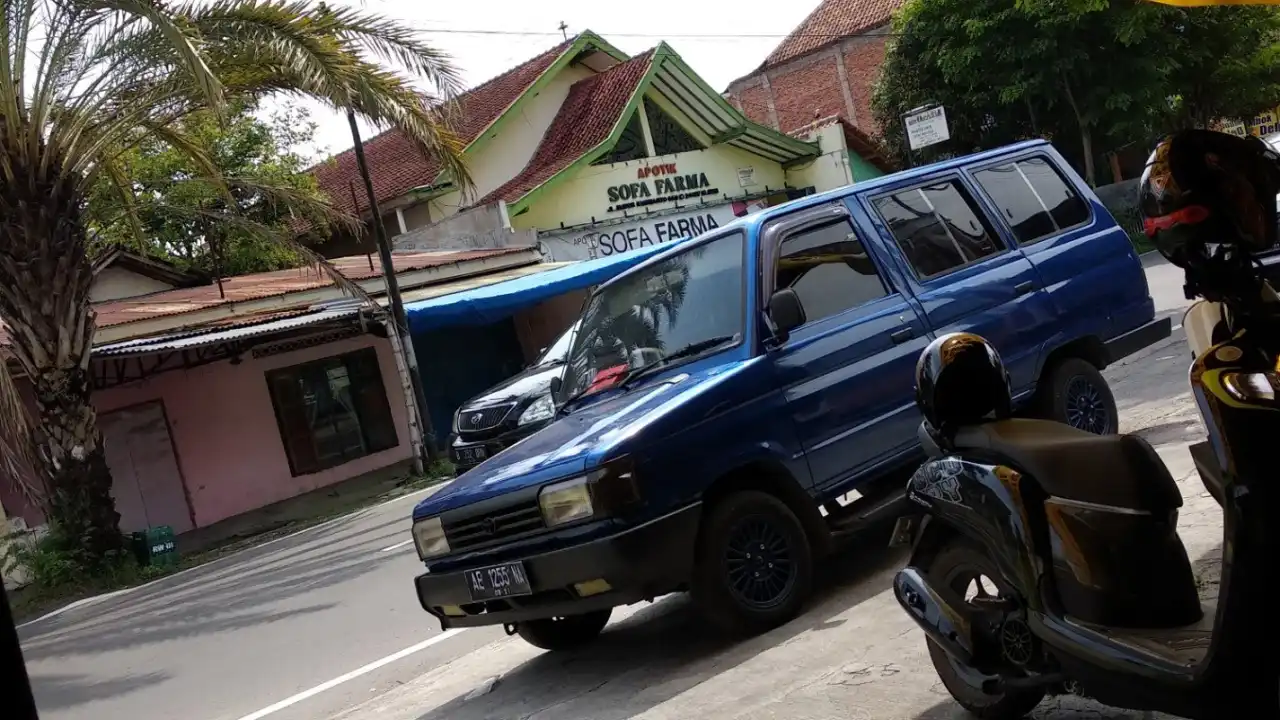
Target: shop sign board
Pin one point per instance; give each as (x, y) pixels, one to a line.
(1265, 123)
(606, 240)
(927, 127)
(659, 183)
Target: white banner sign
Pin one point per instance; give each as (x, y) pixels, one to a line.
(606, 240)
(926, 128)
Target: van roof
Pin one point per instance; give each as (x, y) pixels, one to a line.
(873, 184)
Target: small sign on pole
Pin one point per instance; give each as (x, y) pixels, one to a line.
(926, 127)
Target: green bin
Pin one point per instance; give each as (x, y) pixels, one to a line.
(156, 546)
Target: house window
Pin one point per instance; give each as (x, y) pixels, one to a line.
(332, 411)
(939, 227)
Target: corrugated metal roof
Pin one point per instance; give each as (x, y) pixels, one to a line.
(282, 321)
(190, 339)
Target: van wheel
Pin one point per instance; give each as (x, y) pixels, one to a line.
(1075, 393)
(564, 633)
(754, 565)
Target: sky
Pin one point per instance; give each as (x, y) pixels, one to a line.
(720, 40)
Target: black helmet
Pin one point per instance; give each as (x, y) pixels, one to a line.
(961, 380)
(1202, 187)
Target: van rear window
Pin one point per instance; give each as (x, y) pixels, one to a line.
(1034, 199)
(938, 227)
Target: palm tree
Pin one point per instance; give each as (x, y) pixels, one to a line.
(82, 82)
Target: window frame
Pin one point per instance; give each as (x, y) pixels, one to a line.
(777, 230)
(978, 203)
(1090, 214)
(885, 289)
(298, 368)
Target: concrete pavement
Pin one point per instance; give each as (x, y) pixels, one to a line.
(324, 624)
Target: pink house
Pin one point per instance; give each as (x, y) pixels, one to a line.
(214, 401)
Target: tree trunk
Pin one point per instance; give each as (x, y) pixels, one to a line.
(44, 299)
(1086, 134)
(1086, 146)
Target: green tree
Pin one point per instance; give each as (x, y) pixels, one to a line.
(82, 84)
(1102, 73)
(1227, 63)
(181, 211)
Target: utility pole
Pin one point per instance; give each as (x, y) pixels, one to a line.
(564, 29)
(393, 294)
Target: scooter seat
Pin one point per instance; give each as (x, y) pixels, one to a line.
(1116, 470)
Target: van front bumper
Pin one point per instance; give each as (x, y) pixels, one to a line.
(637, 564)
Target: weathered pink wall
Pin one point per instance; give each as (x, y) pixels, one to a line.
(224, 429)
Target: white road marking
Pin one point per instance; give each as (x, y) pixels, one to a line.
(364, 670)
(397, 546)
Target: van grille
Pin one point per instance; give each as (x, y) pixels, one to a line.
(470, 421)
(508, 522)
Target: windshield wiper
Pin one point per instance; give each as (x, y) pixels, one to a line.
(571, 399)
(636, 373)
(687, 351)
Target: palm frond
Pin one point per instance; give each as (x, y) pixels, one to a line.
(118, 179)
(18, 458)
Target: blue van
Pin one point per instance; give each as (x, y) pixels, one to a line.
(723, 401)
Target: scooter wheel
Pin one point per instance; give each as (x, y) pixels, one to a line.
(967, 571)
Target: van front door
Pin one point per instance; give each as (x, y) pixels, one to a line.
(847, 372)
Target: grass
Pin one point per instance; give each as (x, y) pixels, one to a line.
(57, 580)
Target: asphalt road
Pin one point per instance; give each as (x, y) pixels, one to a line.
(230, 640)
(304, 627)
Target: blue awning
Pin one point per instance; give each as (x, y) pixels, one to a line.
(491, 303)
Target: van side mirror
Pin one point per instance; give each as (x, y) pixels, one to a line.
(556, 382)
(785, 312)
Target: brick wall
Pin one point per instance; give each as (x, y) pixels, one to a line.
(815, 86)
(863, 57)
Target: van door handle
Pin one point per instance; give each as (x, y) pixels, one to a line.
(1025, 287)
(900, 336)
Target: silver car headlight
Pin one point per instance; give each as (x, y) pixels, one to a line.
(428, 537)
(544, 408)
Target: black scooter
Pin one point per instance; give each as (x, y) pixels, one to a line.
(1047, 561)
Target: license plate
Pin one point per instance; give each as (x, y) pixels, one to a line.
(472, 454)
(499, 581)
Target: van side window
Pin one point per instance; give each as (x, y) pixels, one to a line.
(1036, 201)
(829, 270)
(939, 227)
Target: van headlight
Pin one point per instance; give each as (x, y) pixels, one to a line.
(604, 492)
(544, 408)
(428, 537)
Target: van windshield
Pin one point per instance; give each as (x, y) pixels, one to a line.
(691, 299)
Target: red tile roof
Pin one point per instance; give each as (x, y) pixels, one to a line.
(586, 118)
(271, 284)
(828, 23)
(395, 163)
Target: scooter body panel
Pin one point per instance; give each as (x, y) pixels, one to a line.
(1006, 513)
